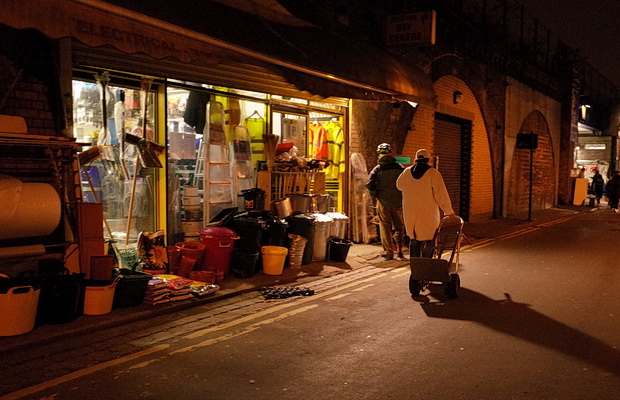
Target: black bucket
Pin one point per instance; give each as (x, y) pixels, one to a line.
(61, 299)
(243, 262)
(339, 249)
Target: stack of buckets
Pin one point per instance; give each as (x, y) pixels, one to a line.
(192, 214)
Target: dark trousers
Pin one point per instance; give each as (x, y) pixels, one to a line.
(421, 248)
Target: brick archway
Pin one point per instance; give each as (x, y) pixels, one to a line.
(543, 182)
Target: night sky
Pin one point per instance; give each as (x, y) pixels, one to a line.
(592, 26)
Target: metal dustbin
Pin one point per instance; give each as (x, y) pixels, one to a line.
(321, 236)
(339, 227)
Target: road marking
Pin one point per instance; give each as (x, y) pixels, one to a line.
(490, 241)
(340, 296)
(82, 372)
(248, 329)
(398, 274)
(329, 292)
(363, 287)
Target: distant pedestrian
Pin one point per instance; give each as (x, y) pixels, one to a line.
(613, 191)
(382, 186)
(424, 194)
(597, 186)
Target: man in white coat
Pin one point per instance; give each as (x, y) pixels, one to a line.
(424, 193)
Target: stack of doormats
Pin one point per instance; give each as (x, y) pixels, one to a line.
(180, 288)
(157, 292)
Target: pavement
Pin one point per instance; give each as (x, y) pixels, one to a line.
(360, 255)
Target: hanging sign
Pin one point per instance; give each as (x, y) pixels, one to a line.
(527, 141)
(411, 29)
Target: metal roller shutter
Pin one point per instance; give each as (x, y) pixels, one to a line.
(453, 152)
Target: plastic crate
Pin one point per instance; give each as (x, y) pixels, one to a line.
(131, 288)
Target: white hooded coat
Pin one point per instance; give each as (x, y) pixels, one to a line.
(422, 199)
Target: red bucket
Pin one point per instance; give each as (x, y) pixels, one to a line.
(219, 242)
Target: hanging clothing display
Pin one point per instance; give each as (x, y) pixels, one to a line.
(335, 149)
(256, 126)
(318, 142)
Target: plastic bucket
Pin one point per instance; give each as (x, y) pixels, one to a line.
(243, 262)
(273, 259)
(98, 300)
(339, 249)
(18, 310)
(61, 299)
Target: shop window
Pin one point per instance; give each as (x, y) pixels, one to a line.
(215, 142)
(326, 142)
(109, 157)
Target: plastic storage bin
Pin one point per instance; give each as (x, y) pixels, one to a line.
(130, 288)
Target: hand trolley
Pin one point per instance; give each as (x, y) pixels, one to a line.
(436, 270)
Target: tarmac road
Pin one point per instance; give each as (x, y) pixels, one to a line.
(537, 318)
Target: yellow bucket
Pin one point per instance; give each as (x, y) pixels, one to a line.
(98, 299)
(273, 259)
(18, 310)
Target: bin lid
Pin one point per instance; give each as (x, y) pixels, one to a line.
(322, 218)
(217, 231)
(223, 217)
(336, 215)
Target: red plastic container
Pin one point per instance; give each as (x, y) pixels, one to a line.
(218, 242)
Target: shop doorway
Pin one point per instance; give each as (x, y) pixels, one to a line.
(453, 159)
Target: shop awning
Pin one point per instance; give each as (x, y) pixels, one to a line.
(205, 32)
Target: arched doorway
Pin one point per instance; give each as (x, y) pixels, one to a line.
(543, 176)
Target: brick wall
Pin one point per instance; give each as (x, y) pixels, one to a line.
(543, 177)
(422, 136)
(29, 81)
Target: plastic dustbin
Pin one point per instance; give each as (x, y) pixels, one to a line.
(339, 249)
(250, 231)
(273, 259)
(218, 241)
(130, 288)
(98, 300)
(243, 262)
(304, 225)
(18, 310)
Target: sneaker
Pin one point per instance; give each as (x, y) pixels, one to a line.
(401, 255)
(387, 256)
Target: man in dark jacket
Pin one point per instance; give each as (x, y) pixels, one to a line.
(382, 186)
(613, 191)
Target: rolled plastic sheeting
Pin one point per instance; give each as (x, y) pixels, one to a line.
(34, 250)
(27, 209)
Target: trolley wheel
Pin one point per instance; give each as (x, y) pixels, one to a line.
(454, 286)
(414, 286)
